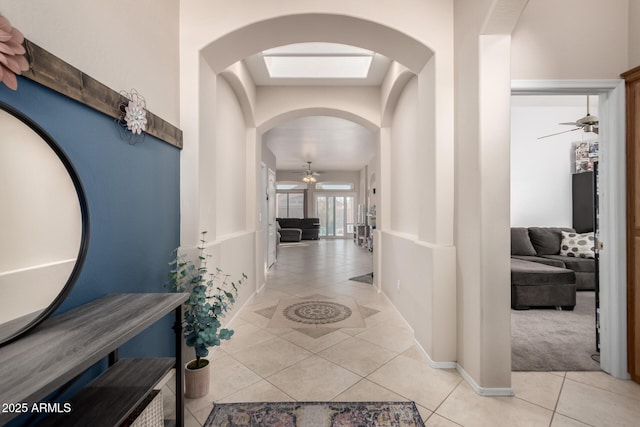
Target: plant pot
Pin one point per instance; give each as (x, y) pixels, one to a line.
(196, 381)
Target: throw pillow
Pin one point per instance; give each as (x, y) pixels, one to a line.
(520, 243)
(578, 245)
(547, 240)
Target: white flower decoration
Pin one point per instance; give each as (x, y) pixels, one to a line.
(136, 117)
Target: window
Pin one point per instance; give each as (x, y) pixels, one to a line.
(335, 186)
(337, 214)
(290, 205)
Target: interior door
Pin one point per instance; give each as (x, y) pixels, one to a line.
(632, 79)
(272, 229)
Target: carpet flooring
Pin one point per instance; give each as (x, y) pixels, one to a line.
(554, 340)
(315, 414)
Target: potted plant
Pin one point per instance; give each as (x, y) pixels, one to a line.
(211, 295)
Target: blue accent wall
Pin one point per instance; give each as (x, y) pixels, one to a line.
(133, 194)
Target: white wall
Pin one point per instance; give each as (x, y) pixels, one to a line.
(121, 43)
(417, 273)
(230, 163)
(634, 34)
(268, 157)
(405, 164)
(541, 169)
(571, 39)
(481, 193)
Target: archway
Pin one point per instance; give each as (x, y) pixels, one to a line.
(427, 298)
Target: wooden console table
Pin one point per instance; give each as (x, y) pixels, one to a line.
(62, 347)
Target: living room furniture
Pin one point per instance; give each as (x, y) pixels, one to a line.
(542, 245)
(54, 353)
(309, 227)
(534, 284)
(289, 234)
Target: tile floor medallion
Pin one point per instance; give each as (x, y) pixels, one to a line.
(317, 312)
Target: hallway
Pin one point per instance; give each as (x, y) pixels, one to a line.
(372, 356)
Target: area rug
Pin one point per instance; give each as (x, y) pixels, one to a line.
(315, 414)
(554, 340)
(365, 278)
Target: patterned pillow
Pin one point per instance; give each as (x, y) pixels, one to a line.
(577, 245)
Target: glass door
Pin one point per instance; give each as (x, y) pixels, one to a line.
(337, 214)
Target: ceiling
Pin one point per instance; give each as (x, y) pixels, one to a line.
(330, 143)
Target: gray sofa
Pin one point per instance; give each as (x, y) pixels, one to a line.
(540, 276)
(296, 229)
(542, 245)
(539, 285)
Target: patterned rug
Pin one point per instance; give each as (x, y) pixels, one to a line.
(315, 414)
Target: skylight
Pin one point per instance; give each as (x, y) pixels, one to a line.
(318, 60)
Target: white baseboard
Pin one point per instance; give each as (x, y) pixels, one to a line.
(433, 363)
(484, 391)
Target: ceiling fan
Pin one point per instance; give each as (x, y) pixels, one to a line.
(309, 176)
(587, 123)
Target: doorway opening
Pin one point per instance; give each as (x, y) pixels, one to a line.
(610, 206)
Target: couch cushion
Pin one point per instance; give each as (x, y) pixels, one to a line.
(310, 223)
(533, 273)
(542, 260)
(289, 222)
(578, 245)
(290, 234)
(546, 240)
(520, 243)
(587, 265)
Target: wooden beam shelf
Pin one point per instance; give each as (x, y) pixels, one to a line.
(55, 74)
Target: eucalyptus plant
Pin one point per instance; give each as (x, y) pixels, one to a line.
(211, 295)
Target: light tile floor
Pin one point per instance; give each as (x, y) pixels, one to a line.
(380, 361)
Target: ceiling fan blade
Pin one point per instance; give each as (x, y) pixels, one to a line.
(554, 134)
(587, 120)
(570, 123)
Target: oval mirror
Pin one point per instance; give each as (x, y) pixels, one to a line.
(43, 224)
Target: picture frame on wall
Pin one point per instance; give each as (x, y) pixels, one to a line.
(586, 153)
